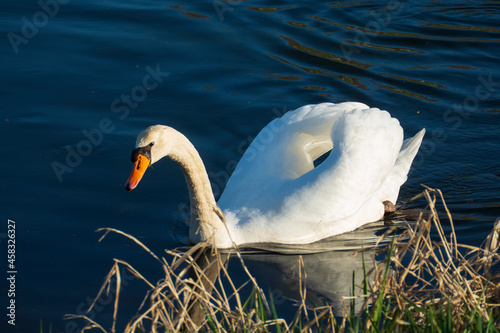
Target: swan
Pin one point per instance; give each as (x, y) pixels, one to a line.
(276, 194)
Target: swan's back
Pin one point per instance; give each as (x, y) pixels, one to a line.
(277, 195)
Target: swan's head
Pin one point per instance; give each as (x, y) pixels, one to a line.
(152, 144)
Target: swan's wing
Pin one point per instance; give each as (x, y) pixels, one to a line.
(366, 145)
(308, 136)
(278, 196)
(284, 150)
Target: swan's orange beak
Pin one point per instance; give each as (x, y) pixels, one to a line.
(140, 167)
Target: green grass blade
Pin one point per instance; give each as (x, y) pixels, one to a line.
(377, 314)
(249, 302)
(475, 312)
(211, 324)
(274, 313)
(260, 308)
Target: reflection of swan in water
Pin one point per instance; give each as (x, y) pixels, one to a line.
(329, 276)
(328, 264)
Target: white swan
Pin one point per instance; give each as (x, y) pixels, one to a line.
(275, 193)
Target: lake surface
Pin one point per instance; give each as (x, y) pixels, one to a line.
(80, 79)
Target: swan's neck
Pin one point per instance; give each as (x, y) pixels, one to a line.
(204, 220)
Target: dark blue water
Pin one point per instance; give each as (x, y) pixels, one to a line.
(80, 79)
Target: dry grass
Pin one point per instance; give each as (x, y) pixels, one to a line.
(433, 278)
(428, 281)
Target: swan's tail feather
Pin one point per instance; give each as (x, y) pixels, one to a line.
(411, 145)
(399, 173)
(407, 154)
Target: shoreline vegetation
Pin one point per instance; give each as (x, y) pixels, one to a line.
(428, 282)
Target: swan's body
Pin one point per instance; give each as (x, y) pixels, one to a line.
(276, 194)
